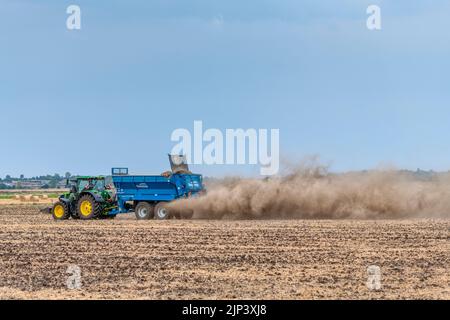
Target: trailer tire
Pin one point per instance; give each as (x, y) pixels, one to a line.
(161, 211)
(143, 211)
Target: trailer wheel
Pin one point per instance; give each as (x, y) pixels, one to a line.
(161, 211)
(60, 211)
(143, 211)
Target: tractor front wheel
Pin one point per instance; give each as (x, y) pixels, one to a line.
(88, 208)
(60, 211)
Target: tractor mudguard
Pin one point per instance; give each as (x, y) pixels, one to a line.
(97, 197)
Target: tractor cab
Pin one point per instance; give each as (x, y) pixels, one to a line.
(81, 184)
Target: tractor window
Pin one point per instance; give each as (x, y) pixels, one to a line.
(95, 184)
(109, 182)
(82, 184)
(99, 184)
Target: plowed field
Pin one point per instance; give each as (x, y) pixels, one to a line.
(203, 259)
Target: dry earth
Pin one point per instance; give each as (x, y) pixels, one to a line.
(202, 259)
(49, 202)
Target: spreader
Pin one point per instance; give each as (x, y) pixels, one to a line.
(146, 195)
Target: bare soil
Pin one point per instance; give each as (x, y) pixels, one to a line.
(221, 259)
(49, 202)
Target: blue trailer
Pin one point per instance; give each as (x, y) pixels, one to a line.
(148, 195)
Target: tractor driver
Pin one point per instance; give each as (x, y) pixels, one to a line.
(90, 185)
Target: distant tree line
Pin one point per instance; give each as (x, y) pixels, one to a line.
(44, 182)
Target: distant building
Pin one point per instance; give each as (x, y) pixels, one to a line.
(62, 184)
(7, 184)
(28, 184)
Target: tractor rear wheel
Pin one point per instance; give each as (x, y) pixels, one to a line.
(88, 208)
(143, 211)
(162, 212)
(60, 211)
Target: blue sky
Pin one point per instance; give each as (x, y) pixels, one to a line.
(111, 93)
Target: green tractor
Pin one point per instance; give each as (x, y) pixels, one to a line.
(89, 198)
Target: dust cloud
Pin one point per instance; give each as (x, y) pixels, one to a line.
(312, 192)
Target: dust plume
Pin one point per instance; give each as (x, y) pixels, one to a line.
(311, 192)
